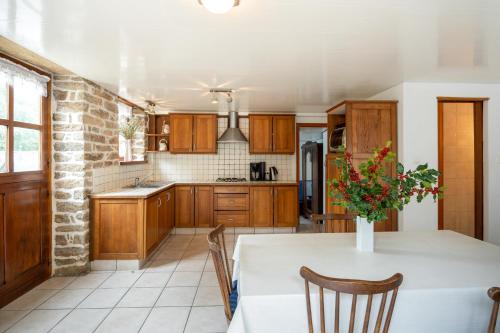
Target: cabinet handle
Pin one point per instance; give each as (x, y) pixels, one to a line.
(191, 190)
(230, 220)
(168, 196)
(159, 202)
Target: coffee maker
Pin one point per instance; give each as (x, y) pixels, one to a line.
(257, 171)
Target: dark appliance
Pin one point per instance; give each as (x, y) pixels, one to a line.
(273, 173)
(257, 171)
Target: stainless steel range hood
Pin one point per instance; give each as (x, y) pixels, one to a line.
(233, 133)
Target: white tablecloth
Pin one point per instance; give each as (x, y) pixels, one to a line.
(446, 276)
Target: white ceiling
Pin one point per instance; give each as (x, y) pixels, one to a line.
(282, 55)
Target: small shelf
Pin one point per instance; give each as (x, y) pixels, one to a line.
(163, 135)
(156, 123)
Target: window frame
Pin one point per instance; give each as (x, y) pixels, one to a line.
(133, 106)
(44, 127)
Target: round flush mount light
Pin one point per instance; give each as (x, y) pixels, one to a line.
(219, 6)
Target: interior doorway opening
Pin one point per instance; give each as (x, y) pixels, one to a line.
(460, 142)
(311, 157)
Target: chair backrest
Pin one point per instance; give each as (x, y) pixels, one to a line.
(355, 288)
(317, 218)
(494, 294)
(217, 247)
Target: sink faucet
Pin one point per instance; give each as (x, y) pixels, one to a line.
(136, 182)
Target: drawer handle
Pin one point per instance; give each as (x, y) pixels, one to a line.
(230, 220)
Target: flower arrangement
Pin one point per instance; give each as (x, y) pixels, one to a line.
(129, 128)
(369, 191)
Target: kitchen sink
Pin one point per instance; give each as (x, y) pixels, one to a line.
(146, 185)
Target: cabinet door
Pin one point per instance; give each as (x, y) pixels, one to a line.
(163, 220)
(369, 126)
(203, 202)
(152, 205)
(261, 128)
(181, 133)
(205, 134)
(184, 206)
(285, 206)
(284, 134)
(261, 206)
(170, 203)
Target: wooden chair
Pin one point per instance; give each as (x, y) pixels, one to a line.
(217, 247)
(494, 294)
(330, 217)
(355, 288)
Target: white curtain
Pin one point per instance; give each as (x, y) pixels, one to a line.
(10, 71)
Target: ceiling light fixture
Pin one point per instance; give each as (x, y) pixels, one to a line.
(215, 100)
(219, 6)
(150, 107)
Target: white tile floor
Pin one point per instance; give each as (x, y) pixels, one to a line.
(176, 292)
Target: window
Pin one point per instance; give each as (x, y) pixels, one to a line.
(20, 126)
(132, 133)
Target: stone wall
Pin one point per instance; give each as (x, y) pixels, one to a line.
(85, 137)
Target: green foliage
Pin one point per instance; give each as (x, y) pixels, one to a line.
(129, 128)
(370, 192)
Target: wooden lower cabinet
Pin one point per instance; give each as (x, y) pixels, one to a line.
(204, 211)
(130, 228)
(261, 206)
(184, 206)
(285, 206)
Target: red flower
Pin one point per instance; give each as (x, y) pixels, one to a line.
(373, 168)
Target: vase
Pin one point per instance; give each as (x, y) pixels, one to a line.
(364, 235)
(128, 150)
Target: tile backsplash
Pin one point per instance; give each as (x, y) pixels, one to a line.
(231, 160)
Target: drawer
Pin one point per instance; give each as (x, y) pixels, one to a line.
(231, 202)
(231, 189)
(231, 218)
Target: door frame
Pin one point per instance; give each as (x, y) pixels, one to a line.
(298, 126)
(478, 159)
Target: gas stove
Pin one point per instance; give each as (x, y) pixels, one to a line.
(230, 180)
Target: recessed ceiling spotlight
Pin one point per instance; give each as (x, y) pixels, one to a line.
(219, 6)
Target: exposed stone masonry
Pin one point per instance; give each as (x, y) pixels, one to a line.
(85, 137)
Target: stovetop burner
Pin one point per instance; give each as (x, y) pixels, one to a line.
(230, 180)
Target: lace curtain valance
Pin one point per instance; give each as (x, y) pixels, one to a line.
(10, 71)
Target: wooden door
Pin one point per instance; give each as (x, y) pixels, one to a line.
(285, 206)
(205, 134)
(184, 206)
(261, 206)
(461, 163)
(181, 133)
(25, 214)
(163, 217)
(261, 129)
(284, 134)
(204, 212)
(152, 208)
(371, 125)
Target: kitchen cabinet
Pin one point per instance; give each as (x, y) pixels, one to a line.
(231, 206)
(285, 206)
(272, 134)
(166, 212)
(204, 206)
(192, 133)
(184, 206)
(152, 208)
(261, 206)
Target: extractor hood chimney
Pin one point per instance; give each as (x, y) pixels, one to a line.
(233, 133)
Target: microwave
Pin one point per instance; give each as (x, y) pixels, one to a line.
(338, 138)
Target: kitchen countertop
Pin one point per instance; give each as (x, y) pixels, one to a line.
(144, 192)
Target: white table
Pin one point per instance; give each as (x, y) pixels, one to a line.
(446, 276)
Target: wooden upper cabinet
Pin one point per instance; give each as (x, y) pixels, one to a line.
(204, 206)
(285, 206)
(284, 134)
(184, 206)
(261, 206)
(205, 134)
(261, 134)
(152, 209)
(271, 134)
(181, 133)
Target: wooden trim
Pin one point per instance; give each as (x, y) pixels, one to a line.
(10, 135)
(462, 99)
(26, 65)
(373, 101)
(478, 161)
(129, 103)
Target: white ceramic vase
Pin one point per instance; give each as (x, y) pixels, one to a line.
(364, 234)
(128, 150)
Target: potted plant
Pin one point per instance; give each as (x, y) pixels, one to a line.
(127, 129)
(370, 192)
